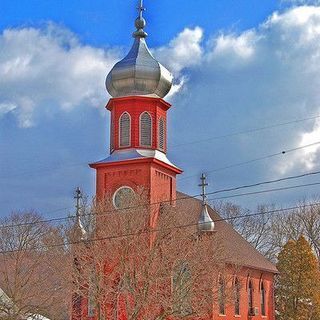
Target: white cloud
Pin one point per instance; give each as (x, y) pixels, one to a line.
(49, 68)
(307, 158)
(183, 51)
(262, 76)
(268, 73)
(236, 49)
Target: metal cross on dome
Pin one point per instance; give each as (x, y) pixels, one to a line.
(203, 186)
(141, 8)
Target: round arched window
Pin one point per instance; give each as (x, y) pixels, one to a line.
(123, 197)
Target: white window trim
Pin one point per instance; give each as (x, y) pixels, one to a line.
(140, 127)
(119, 127)
(115, 193)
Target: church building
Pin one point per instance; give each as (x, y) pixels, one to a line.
(138, 85)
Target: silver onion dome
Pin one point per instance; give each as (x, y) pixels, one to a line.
(139, 73)
(205, 223)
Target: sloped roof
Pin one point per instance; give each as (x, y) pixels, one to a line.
(238, 250)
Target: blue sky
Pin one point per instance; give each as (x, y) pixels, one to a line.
(238, 65)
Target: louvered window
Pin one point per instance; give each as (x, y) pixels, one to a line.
(112, 134)
(145, 130)
(161, 134)
(125, 127)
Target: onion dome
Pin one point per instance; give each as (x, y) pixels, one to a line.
(139, 73)
(205, 223)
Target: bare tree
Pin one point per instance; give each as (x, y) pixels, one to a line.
(129, 267)
(31, 268)
(269, 231)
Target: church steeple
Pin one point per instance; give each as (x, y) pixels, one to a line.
(138, 136)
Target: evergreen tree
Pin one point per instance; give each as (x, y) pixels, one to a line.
(298, 285)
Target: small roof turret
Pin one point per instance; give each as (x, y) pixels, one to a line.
(205, 222)
(79, 228)
(139, 73)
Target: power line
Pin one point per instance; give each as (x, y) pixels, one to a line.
(267, 182)
(56, 167)
(246, 131)
(127, 235)
(267, 191)
(284, 152)
(187, 198)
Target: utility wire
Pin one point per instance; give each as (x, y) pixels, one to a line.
(267, 191)
(284, 152)
(185, 198)
(127, 235)
(267, 182)
(246, 131)
(56, 167)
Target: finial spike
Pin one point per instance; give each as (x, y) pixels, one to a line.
(140, 22)
(203, 186)
(141, 9)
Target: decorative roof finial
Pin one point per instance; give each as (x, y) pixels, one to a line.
(203, 186)
(205, 223)
(79, 225)
(140, 22)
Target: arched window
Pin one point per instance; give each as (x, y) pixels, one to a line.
(222, 296)
(161, 134)
(145, 130)
(181, 289)
(250, 297)
(237, 293)
(124, 130)
(263, 299)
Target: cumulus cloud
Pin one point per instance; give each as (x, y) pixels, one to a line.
(48, 68)
(184, 51)
(259, 77)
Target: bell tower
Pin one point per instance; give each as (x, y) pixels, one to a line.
(138, 139)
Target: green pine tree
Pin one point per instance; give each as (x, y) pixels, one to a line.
(298, 285)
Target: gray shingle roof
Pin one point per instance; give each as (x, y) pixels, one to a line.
(238, 250)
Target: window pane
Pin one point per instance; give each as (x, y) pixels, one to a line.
(237, 297)
(222, 298)
(263, 300)
(181, 288)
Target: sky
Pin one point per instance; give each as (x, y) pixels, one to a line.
(239, 66)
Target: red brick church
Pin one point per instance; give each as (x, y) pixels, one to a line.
(138, 85)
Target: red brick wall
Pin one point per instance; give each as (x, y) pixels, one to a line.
(256, 277)
(135, 106)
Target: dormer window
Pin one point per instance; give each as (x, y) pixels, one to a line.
(145, 130)
(161, 134)
(124, 130)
